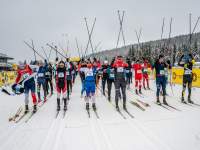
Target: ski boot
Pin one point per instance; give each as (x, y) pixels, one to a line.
(164, 101)
(109, 99)
(190, 101)
(94, 106)
(39, 100)
(140, 91)
(45, 100)
(148, 88)
(87, 106)
(26, 109)
(136, 91)
(158, 101)
(65, 104)
(117, 107)
(183, 101)
(34, 108)
(124, 107)
(58, 104)
(144, 88)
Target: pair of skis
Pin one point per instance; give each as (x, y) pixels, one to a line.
(57, 113)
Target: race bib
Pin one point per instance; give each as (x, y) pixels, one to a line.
(188, 72)
(89, 74)
(47, 73)
(145, 70)
(127, 71)
(112, 75)
(162, 72)
(139, 71)
(60, 75)
(120, 69)
(73, 72)
(67, 73)
(26, 75)
(40, 74)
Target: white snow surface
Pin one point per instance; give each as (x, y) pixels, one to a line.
(155, 128)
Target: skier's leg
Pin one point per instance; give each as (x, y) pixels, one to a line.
(163, 83)
(117, 92)
(140, 86)
(38, 91)
(136, 86)
(103, 85)
(123, 88)
(109, 89)
(68, 89)
(45, 91)
(190, 91)
(184, 88)
(158, 85)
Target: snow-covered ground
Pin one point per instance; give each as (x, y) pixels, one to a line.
(155, 128)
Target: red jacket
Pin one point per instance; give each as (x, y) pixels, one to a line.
(23, 73)
(138, 71)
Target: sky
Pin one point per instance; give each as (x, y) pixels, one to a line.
(61, 21)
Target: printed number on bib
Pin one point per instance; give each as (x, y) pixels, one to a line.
(120, 69)
(47, 73)
(25, 75)
(67, 73)
(61, 75)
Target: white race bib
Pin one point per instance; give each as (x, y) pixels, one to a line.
(89, 74)
(145, 70)
(120, 69)
(127, 71)
(162, 72)
(40, 74)
(60, 75)
(47, 73)
(188, 72)
(67, 73)
(112, 75)
(25, 75)
(139, 71)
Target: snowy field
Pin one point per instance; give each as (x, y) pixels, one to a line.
(156, 128)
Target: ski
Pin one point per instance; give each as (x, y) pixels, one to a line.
(57, 112)
(21, 117)
(121, 114)
(16, 115)
(64, 113)
(162, 106)
(129, 113)
(29, 117)
(172, 107)
(88, 112)
(196, 104)
(97, 115)
(185, 103)
(143, 103)
(137, 105)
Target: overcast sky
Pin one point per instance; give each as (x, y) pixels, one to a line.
(57, 21)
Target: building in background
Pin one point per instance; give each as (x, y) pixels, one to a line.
(4, 62)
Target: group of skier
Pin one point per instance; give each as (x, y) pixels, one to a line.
(119, 72)
(60, 76)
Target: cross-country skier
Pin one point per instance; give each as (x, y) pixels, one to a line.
(128, 73)
(111, 78)
(160, 67)
(61, 84)
(69, 69)
(83, 66)
(138, 76)
(104, 75)
(145, 67)
(49, 76)
(25, 79)
(41, 80)
(89, 85)
(187, 61)
(120, 81)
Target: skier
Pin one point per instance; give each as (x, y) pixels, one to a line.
(25, 82)
(145, 66)
(138, 76)
(48, 76)
(120, 81)
(61, 84)
(187, 61)
(160, 67)
(83, 65)
(104, 75)
(69, 70)
(89, 85)
(41, 80)
(111, 78)
(128, 73)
